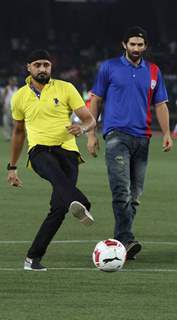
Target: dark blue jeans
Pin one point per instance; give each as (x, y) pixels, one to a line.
(126, 160)
(60, 168)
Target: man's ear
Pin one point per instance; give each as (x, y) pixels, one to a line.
(28, 66)
(124, 45)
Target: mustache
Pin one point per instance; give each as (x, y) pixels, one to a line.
(42, 74)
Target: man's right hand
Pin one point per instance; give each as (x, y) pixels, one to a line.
(13, 179)
(93, 145)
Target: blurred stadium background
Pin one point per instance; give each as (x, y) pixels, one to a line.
(81, 33)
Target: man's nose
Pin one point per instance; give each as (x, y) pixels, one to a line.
(136, 48)
(42, 68)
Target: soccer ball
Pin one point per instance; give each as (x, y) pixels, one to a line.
(109, 255)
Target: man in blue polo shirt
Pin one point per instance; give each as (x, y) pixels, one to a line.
(128, 86)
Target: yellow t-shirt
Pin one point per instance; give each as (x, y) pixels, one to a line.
(47, 116)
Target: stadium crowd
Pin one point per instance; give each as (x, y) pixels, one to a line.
(78, 64)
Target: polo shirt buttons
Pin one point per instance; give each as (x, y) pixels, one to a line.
(133, 75)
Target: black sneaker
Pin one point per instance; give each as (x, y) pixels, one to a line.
(133, 247)
(34, 265)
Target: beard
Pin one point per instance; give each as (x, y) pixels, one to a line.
(134, 56)
(42, 78)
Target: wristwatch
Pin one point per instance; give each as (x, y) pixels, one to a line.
(9, 167)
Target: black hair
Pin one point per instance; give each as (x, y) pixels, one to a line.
(135, 31)
(39, 54)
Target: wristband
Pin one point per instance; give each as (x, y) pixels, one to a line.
(9, 167)
(84, 130)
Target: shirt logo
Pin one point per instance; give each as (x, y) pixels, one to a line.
(153, 84)
(56, 101)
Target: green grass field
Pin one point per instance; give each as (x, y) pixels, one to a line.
(72, 288)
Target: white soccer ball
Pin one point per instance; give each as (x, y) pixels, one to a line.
(109, 255)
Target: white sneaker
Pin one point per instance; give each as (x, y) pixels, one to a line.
(33, 265)
(79, 211)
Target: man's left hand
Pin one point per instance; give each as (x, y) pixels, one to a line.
(75, 129)
(167, 143)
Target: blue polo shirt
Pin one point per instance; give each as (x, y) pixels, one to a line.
(128, 92)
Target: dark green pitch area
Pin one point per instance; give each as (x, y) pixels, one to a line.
(72, 288)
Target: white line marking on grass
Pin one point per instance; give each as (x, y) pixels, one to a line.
(53, 242)
(160, 242)
(149, 270)
(94, 269)
(84, 241)
(124, 270)
(55, 269)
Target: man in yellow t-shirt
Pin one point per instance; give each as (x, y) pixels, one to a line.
(42, 109)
